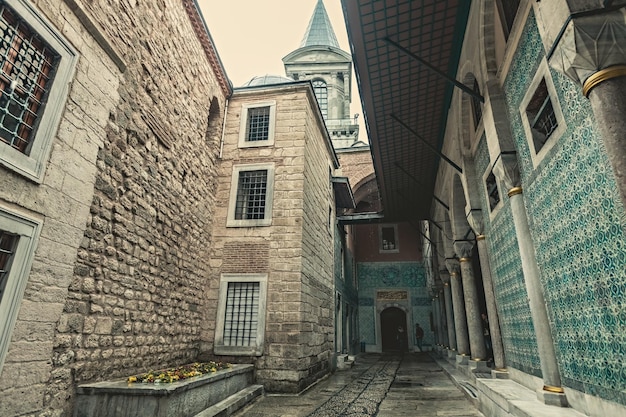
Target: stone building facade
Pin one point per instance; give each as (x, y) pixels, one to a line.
(106, 207)
(288, 249)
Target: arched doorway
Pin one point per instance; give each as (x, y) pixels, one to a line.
(390, 320)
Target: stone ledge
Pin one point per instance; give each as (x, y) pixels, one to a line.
(183, 399)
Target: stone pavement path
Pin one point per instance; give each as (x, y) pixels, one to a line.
(378, 385)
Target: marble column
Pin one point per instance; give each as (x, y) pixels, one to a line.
(460, 323)
(591, 52)
(447, 295)
(442, 315)
(472, 307)
(506, 169)
(475, 220)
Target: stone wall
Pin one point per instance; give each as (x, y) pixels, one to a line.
(290, 358)
(118, 281)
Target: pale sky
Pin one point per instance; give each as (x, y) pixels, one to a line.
(252, 36)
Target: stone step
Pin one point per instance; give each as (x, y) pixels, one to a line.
(230, 405)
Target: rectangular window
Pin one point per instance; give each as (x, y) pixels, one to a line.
(242, 313)
(36, 66)
(26, 69)
(258, 121)
(493, 194)
(18, 240)
(258, 126)
(251, 195)
(8, 242)
(240, 321)
(541, 116)
(388, 238)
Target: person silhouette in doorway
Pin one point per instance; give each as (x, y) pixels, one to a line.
(400, 338)
(419, 335)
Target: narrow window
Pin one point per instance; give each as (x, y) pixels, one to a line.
(251, 195)
(242, 314)
(321, 93)
(493, 194)
(258, 126)
(541, 116)
(8, 243)
(26, 71)
(388, 236)
(477, 111)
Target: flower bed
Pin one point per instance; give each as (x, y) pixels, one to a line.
(167, 376)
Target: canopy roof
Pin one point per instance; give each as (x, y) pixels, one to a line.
(405, 102)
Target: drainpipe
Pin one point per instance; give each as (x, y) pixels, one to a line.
(223, 129)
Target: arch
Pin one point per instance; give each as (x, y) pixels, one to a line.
(321, 93)
(498, 18)
(214, 121)
(392, 319)
(471, 111)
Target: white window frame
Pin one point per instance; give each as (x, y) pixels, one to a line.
(396, 248)
(243, 142)
(33, 165)
(28, 231)
(269, 196)
(543, 72)
(257, 350)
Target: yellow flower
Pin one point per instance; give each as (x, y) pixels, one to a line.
(132, 379)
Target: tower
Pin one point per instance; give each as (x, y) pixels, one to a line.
(320, 60)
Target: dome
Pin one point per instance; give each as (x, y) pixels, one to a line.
(267, 80)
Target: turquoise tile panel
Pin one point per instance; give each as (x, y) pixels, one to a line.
(578, 226)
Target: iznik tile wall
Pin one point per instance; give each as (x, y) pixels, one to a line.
(518, 333)
(409, 276)
(578, 226)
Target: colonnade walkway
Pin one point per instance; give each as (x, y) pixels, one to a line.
(383, 385)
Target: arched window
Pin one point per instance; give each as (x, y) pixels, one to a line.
(477, 111)
(321, 93)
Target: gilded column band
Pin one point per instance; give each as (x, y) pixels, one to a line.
(480, 237)
(514, 191)
(550, 388)
(465, 259)
(603, 75)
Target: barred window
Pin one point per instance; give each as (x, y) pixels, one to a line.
(251, 195)
(541, 116)
(477, 111)
(26, 72)
(388, 238)
(8, 243)
(258, 125)
(242, 313)
(321, 93)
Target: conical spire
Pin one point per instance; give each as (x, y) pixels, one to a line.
(320, 32)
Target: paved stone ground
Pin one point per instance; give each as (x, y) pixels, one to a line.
(378, 385)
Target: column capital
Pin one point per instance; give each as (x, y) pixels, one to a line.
(591, 49)
(444, 276)
(463, 249)
(506, 169)
(452, 264)
(475, 220)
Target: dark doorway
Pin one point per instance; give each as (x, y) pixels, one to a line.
(391, 320)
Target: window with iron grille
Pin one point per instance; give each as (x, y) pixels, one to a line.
(388, 238)
(8, 243)
(258, 125)
(26, 72)
(251, 196)
(258, 120)
(36, 66)
(541, 116)
(241, 309)
(321, 93)
(493, 194)
(242, 314)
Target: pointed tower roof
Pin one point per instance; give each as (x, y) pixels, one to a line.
(320, 32)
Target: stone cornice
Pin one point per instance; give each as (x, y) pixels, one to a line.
(202, 32)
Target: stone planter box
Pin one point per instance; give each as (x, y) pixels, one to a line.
(181, 399)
